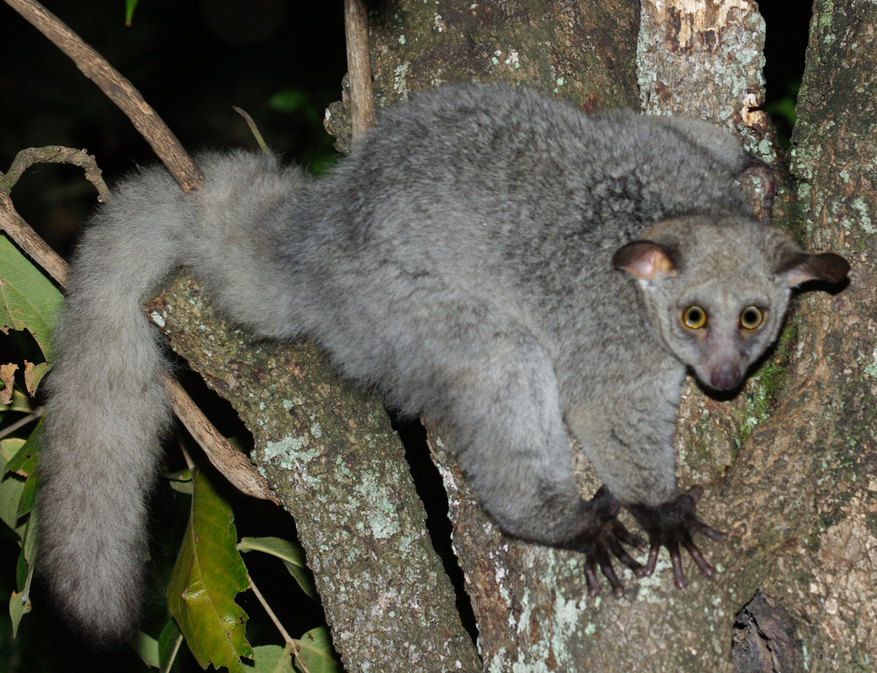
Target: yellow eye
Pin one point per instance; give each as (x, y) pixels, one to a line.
(694, 317)
(751, 318)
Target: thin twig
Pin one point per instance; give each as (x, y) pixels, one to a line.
(362, 106)
(32, 416)
(283, 632)
(54, 154)
(253, 128)
(233, 464)
(28, 240)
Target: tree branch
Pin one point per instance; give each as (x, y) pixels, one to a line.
(362, 107)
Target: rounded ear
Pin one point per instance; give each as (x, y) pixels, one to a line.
(799, 267)
(644, 260)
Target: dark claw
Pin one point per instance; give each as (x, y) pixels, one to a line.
(672, 525)
(609, 573)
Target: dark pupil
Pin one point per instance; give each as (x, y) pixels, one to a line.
(750, 317)
(695, 315)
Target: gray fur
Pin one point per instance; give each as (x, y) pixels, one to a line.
(460, 260)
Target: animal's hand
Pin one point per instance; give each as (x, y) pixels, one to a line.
(602, 540)
(672, 525)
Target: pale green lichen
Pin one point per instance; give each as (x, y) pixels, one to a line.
(400, 80)
(863, 210)
(289, 450)
(384, 527)
(871, 368)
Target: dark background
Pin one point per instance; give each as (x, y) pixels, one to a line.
(280, 60)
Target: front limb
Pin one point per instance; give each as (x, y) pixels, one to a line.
(630, 446)
(515, 449)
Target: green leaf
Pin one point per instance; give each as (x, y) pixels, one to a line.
(19, 602)
(28, 551)
(169, 645)
(271, 659)
(316, 651)
(33, 375)
(28, 300)
(25, 463)
(180, 481)
(20, 403)
(147, 649)
(207, 575)
(292, 555)
(130, 6)
(25, 459)
(11, 485)
(19, 606)
(160, 653)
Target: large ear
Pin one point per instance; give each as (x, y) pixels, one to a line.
(799, 267)
(644, 260)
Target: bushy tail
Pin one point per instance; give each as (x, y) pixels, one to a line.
(107, 408)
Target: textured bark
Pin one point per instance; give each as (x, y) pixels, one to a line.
(829, 577)
(702, 59)
(580, 50)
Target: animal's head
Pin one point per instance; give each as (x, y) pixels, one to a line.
(716, 291)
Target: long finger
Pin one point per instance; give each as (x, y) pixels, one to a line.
(609, 572)
(591, 577)
(709, 531)
(649, 567)
(701, 562)
(676, 560)
(628, 538)
(622, 555)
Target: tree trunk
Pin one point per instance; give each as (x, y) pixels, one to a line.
(826, 574)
